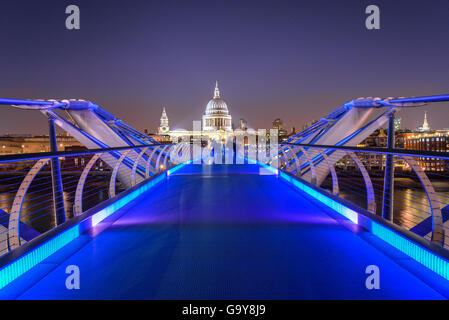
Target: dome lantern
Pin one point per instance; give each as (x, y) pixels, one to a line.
(217, 91)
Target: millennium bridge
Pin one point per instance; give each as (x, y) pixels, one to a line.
(137, 219)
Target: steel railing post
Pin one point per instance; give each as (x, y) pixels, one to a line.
(387, 205)
(58, 195)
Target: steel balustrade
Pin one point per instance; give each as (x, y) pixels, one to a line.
(335, 188)
(158, 158)
(78, 206)
(34, 172)
(114, 174)
(81, 177)
(136, 163)
(296, 151)
(14, 217)
(371, 204)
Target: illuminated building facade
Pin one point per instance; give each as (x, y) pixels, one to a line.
(163, 127)
(217, 117)
(216, 122)
(397, 124)
(437, 140)
(425, 126)
(278, 124)
(34, 144)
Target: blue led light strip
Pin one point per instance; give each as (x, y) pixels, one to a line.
(269, 168)
(106, 212)
(335, 205)
(18, 267)
(179, 166)
(427, 258)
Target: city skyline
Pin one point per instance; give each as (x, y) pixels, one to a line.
(164, 122)
(293, 61)
(154, 127)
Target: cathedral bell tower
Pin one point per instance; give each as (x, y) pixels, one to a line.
(164, 128)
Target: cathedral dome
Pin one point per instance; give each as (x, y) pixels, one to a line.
(217, 115)
(217, 106)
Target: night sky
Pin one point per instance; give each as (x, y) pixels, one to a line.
(297, 60)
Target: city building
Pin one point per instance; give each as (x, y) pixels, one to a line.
(397, 124)
(33, 144)
(293, 131)
(163, 127)
(308, 124)
(243, 124)
(216, 125)
(78, 162)
(216, 122)
(217, 117)
(436, 140)
(425, 126)
(278, 124)
(424, 139)
(372, 161)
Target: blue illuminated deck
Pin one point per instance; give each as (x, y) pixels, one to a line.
(226, 232)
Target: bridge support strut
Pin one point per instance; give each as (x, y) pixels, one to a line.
(387, 205)
(58, 195)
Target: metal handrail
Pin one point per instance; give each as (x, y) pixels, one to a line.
(392, 151)
(39, 155)
(306, 172)
(159, 158)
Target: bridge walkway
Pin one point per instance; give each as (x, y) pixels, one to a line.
(226, 232)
